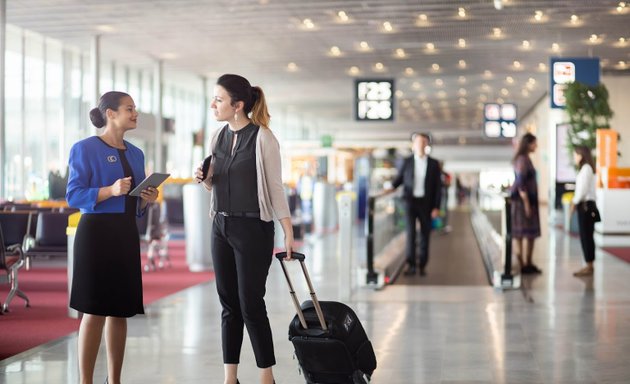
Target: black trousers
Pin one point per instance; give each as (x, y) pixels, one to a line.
(587, 229)
(418, 209)
(242, 250)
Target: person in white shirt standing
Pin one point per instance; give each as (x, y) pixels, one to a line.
(584, 202)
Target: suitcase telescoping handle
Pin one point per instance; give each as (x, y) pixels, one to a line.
(320, 315)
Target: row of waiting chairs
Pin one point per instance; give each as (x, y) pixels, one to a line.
(25, 235)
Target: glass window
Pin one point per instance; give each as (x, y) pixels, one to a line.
(35, 122)
(13, 110)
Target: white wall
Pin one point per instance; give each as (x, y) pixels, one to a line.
(619, 98)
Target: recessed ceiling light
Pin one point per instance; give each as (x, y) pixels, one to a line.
(505, 92)
(485, 87)
(364, 46)
(379, 67)
(292, 67)
(461, 63)
(308, 24)
(622, 65)
(105, 28)
(542, 67)
(406, 103)
(423, 17)
(461, 43)
(169, 56)
(409, 71)
(430, 47)
(487, 74)
(387, 27)
(399, 93)
(483, 98)
(621, 7)
(575, 20)
(461, 12)
(439, 82)
(335, 51)
(354, 70)
(538, 16)
(441, 94)
(621, 42)
(594, 39)
(555, 47)
(416, 85)
(525, 92)
(517, 64)
(435, 67)
(400, 53)
(526, 44)
(462, 91)
(342, 16)
(509, 80)
(500, 100)
(462, 79)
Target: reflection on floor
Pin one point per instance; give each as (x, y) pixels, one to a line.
(556, 329)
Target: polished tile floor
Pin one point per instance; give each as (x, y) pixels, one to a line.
(555, 329)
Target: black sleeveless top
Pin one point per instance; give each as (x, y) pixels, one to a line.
(235, 180)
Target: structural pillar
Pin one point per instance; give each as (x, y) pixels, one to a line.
(157, 112)
(3, 38)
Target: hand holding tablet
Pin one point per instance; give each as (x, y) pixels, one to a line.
(154, 180)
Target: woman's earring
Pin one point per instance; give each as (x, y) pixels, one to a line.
(235, 117)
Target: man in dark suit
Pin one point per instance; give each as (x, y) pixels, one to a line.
(420, 177)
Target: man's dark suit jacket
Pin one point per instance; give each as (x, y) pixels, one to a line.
(432, 180)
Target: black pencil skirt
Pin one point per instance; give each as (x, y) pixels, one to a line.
(107, 275)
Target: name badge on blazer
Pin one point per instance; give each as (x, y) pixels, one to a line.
(112, 159)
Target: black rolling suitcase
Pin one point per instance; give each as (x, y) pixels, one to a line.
(329, 340)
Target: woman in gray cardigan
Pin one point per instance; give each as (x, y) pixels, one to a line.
(246, 188)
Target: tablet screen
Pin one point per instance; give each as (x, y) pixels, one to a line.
(153, 180)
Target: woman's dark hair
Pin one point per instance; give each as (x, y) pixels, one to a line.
(586, 156)
(523, 145)
(253, 98)
(109, 100)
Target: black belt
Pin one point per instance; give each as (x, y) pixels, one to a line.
(253, 215)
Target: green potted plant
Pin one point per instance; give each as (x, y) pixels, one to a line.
(588, 110)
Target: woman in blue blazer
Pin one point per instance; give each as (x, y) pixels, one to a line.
(107, 274)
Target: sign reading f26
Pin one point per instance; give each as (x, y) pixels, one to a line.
(374, 100)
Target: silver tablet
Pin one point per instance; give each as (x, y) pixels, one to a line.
(153, 180)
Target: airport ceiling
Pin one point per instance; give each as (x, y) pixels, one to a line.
(447, 57)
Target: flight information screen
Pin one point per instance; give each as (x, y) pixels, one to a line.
(374, 100)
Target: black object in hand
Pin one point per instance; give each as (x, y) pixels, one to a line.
(205, 167)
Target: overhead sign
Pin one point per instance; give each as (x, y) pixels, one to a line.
(374, 100)
(499, 120)
(569, 70)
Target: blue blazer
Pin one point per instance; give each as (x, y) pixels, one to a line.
(92, 165)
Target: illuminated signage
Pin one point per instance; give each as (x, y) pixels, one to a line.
(569, 70)
(499, 120)
(374, 100)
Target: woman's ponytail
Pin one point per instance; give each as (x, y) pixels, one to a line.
(260, 113)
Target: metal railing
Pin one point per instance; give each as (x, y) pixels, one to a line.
(492, 224)
(384, 225)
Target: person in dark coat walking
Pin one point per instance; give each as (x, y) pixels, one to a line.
(420, 177)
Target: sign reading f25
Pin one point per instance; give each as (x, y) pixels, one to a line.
(374, 99)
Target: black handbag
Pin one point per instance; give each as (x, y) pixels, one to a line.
(591, 209)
